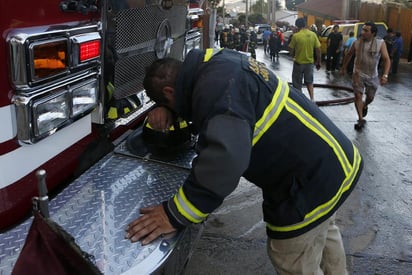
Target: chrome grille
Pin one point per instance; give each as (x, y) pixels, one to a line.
(134, 43)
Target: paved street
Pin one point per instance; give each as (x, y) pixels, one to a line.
(376, 220)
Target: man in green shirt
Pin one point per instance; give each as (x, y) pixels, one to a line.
(301, 48)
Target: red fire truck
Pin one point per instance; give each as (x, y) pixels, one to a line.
(71, 95)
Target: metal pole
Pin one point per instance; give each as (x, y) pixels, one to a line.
(273, 13)
(223, 12)
(43, 202)
(212, 26)
(247, 14)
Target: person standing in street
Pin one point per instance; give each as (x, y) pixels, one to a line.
(252, 44)
(389, 39)
(334, 43)
(368, 50)
(302, 47)
(265, 36)
(275, 45)
(251, 124)
(396, 53)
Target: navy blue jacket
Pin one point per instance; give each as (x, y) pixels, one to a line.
(252, 124)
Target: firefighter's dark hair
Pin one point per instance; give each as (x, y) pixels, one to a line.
(159, 74)
(374, 28)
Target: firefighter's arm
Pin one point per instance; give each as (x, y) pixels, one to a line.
(224, 155)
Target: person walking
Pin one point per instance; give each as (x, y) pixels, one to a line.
(368, 50)
(334, 43)
(275, 45)
(265, 36)
(396, 52)
(252, 44)
(301, 48)
(251, 124)
(389, 39)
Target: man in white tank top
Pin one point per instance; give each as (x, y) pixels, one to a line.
(368, 50)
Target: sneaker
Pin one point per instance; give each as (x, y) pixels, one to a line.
(365, 111)
(360, 124)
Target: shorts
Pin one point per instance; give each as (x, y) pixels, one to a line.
(302, 71)
(365, 83)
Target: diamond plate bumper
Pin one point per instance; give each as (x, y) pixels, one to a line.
(96, 208)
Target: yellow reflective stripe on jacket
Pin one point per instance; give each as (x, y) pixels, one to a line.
(187, 209)
(325, 208)
(272, 111)
(209, 53)
(315, 126)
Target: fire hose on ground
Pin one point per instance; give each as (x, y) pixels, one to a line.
(331, 102)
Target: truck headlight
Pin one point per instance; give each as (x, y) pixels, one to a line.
(84, 98)
(51, 112)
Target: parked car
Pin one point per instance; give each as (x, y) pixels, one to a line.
(259, 29)
(287, 36)
(345, 29)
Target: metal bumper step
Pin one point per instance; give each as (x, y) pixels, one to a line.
(96, 208)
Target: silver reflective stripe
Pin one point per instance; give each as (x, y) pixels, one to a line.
(315, 126)
(325, 208)
(272, 111)
(187, 209)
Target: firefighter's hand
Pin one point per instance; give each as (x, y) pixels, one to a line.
(160, 118)
(152, 224)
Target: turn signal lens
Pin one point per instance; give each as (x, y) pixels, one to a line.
(89, 50)
(197, 24)
(49, 58)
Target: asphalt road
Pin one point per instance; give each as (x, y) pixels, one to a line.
(376, 220)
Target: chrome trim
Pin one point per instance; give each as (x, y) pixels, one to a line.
(94, 81)
(31, 46)
(24, 105)
(19, 41)
(164, 39)
(81, 38)
(50, 96)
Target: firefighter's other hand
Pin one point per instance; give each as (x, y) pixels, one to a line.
(160, 118)
(152, 224)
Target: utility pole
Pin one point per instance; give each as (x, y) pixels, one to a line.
(273, 13)
(223, 12)
(212, 22)
(247, 14)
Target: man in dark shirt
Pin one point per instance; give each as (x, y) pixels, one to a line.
(389, 38)
(334, 42)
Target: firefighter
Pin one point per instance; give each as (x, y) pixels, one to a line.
(224, 37)
(252, 124)
(252, 44)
